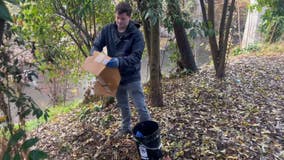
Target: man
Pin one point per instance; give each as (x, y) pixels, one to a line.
(125, 44)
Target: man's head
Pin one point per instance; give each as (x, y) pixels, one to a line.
(122, 15)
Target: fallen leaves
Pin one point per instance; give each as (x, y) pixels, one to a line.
(203, 118)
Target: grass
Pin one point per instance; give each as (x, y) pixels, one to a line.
(271, 49)
(251, 48)
(260, 49)
(53, 113)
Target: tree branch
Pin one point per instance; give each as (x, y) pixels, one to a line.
(204, 15)
(222, 24)
(229, 22)
(61, 12)
(228, 26)
(94, 21)
(212, 35)
(75, 40)
(2, 27)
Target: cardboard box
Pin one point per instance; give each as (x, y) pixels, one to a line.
(107, 79)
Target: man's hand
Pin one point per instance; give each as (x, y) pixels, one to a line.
(113, 63)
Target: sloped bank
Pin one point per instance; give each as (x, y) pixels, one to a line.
(203, 118)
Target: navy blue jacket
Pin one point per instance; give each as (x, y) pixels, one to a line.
(128, 49)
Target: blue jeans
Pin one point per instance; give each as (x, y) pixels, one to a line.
(135, 91)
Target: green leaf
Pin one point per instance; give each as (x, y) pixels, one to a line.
(16, 137)
(192, 33)
(13, 100)
(8, 93)
(26, 112)
(37, 154)
(7, 156)
(17, 156)
(29, 143)
(20, 101)
(2, 74)
(37, 112)
(148, 14)
(46, 115)
(4, 12)
(154, 20)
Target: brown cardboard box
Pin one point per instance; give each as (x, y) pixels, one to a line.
(107, 79)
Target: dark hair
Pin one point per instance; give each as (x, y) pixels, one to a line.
(123, 7)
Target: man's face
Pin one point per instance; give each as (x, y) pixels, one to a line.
(122, 20)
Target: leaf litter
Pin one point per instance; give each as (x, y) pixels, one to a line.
(240, 117)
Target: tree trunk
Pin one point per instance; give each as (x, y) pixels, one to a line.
(2, 26)
(209, 22)
(156, 96)
(212, 34)
(6, 110)
(185, 50)
(224, 42)
(3, 105)
(147, 35)
(187, 57)
(146, 25)
(218, 52)
(142, 6)
(239, 22)
(152, 38)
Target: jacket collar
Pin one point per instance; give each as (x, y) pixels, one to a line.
(132, 27)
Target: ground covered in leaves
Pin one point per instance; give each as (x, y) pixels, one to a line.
(203, 118)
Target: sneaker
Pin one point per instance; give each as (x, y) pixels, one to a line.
(120, 133)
